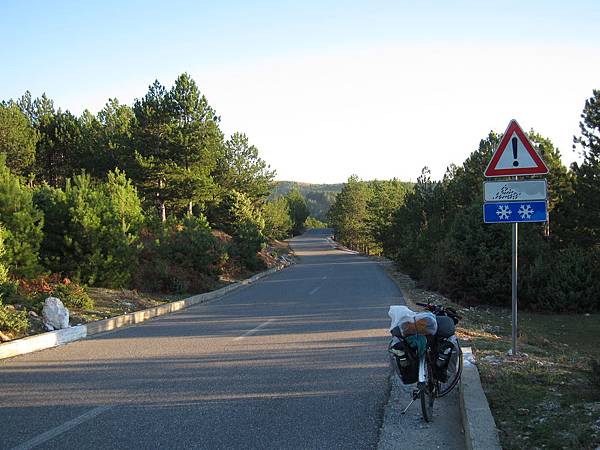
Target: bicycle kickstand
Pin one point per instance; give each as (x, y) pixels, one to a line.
(415, 395)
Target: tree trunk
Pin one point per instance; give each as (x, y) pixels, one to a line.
(162, 210)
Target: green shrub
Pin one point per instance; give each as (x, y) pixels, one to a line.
(12, 321)
(562, 281)
(248, 241)
(180, 257)
(22, 223)
(91, 233)
(312, 222)
(73, 295)
(278, 223)
(238, 217)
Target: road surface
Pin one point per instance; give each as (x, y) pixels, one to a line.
(297, 360)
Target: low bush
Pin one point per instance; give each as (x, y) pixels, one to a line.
(11, 320)
(562, 281)
(33, 292)
(91, 229)
(180, 257)
(312, 222)
(73, 295)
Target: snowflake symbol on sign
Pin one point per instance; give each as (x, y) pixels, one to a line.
(503, 212)
(525, 211)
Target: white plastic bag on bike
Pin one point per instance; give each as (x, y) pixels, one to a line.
(410, 322)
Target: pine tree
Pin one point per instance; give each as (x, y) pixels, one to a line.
(587, 175)
(18, 138)
(23, 224)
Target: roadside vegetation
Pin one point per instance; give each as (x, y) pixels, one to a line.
(147, 198)
(548, 397)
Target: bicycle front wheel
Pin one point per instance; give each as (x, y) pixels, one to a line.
(428, 391)
(427, 403)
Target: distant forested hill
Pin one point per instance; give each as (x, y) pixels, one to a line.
(319, 197)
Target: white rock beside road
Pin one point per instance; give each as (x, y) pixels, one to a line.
(56, 316)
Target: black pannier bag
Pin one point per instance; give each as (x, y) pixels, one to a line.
(443, 347)
(443, 353)
(404, 359)
(445, 327)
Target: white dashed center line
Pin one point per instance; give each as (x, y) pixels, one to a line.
(254, 330)
(40, 439)
(314, 290)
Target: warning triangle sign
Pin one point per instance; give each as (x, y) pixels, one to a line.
(515, 156)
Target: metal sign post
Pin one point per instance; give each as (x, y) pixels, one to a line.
(515, 201)
(515, 243)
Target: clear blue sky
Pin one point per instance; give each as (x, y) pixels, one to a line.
(343, 56)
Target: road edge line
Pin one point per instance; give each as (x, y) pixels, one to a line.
(55, 338)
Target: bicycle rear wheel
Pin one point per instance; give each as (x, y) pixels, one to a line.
(454, 372)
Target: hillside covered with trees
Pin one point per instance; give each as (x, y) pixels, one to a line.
(319, 197)
(435, 231)
(150, 196)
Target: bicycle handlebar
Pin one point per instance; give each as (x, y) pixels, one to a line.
(441, 310)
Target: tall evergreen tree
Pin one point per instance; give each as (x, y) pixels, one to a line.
(240, 168)
(22, 222)
(587, 174)
(177, 139)
(18, 138)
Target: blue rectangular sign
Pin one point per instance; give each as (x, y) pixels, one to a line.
(511, 212)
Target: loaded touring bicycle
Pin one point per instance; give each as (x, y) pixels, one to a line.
(424, 350)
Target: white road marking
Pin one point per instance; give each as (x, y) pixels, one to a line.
(324, 277)
(254, 330)
(40, 439)
(314, 290)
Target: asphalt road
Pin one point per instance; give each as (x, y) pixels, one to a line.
(297, 360)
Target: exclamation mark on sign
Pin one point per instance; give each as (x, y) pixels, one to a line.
(514, 145)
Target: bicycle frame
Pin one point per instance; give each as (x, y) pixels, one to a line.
(422, 368)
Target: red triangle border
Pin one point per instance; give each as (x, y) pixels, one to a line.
(540, 169)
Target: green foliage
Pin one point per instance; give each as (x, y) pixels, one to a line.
(11, 320)
(18, 138)
(278, 222)
(180, 257)
(298, 210)
(349, 215)
(585, 202)
(237, 216)
(91, 231)
(318, 197)
(311, 222)
(3, 269)
(22, 224)
(563, 280)
(442, 241)
(73, 295)
(240, 168)
(434, 230)
(177, 139)
(362, 213)
(249, 240)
